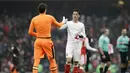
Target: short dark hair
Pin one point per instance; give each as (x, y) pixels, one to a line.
(42, 7)
(76, 10)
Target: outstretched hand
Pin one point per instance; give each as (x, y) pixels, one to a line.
(64, 20)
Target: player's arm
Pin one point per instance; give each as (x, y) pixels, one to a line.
(57, 23)
(63, 27)
(82, 34)
(119, 43)
(127, 43)
(88, 46)
(83, 31)
(86, 40)
(100, 46)
(31, 29)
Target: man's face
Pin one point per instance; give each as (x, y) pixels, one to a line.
(124, 31)
(107, 32)
(75, 15)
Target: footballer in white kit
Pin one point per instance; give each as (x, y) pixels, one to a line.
(76, 35)
(73, 46)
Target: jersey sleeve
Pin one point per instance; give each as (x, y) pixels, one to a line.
(88, 46)
(118, 43)
(100, 42)
(63, 27)
(128, 40)
(31, 28)
(83, 31)
(54, 22)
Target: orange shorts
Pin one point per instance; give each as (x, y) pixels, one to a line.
(42, 47)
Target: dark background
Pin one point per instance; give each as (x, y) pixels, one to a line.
(15, 17)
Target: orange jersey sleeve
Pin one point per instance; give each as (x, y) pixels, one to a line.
(42, 23)
(54, 22)
(31, 28)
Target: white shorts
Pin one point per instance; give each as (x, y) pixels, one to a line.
(73, 50)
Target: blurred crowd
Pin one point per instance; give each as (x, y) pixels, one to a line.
(14, 30)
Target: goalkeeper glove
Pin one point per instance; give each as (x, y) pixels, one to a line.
(64, 20)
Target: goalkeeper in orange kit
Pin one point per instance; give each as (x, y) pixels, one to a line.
(43, 44)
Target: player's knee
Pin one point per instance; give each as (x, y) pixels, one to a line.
(35, 65)
(76, 63)
(36, 62)
(52, 61)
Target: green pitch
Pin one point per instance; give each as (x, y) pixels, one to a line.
(113, 68)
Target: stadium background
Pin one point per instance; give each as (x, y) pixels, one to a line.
(15, 17)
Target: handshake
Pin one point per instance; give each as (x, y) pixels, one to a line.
(64, 20)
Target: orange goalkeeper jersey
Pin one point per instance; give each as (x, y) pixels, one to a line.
(42, 24)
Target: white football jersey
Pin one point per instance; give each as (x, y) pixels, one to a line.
(74, 29)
